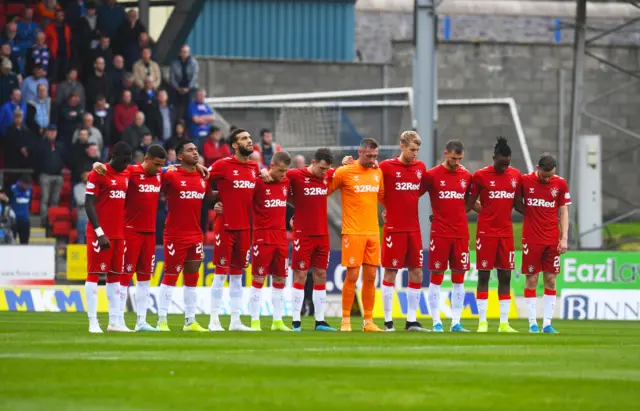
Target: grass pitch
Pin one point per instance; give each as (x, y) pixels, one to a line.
(48, 361)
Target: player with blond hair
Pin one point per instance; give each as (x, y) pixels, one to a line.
(361, 185)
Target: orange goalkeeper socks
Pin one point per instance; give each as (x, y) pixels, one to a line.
(368, 290)
(349, 290)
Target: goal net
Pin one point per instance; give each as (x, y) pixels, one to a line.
(304, 122)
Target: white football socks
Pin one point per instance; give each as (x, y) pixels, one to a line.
(482, 309)
(91, 294)
(433, 295)
(164, 301)
(413, 302)
(532, 309)
(549, 307)
(457, 303)
(113, 297)
(255, 302)
(505, 306)
(142, 300)
(297, 297)
(217, 288)
(190, 295)
(235, 295)
(319, 302)
(387, 302)
(124, 291)
(277, 299)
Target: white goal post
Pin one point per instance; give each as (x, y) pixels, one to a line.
(321, 108)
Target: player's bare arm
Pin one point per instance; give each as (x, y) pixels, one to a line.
(564, 229)
(472, 203)
(92, 215)
(518, 204)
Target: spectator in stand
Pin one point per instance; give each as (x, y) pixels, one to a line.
(51, 159)
(145, 67)
(8, 81)
(79, 191)
(102, 50)
(116, 72)
(124, 114)
(18, 141)
(9, 108)
(39, 111)
(299, 161)
(178, 136)
(70, 86)
(110, 17)
(46, 12)
(30, 84)
(76, 9)
(20, 201)
(95, 137)
(214, 148)
(167, 116)
(18, 44)
(91, 156)
(127, 84)
(255, 156)
(147, 140)
(183, 77)
(138, 157)
(78, 154)
(103, 120)
(6, 53)
(201, 118)
(38, 53)
(148, 104)
(98, 82)
(134, 134)
(128, 36)
(27, 28)
(69, 119)
(267, 147)
(58, 35)
(85, 35)
(172, 158)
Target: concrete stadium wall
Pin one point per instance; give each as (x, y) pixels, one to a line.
(527, 72)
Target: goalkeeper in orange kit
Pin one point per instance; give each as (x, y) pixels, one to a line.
(362, 186)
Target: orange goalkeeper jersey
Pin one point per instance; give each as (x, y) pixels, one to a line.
(361, 190)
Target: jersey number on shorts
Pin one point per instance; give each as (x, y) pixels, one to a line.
(465, 258)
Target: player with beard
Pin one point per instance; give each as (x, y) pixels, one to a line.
(309, 187)
(236, 181)
(402, 245)
(495, 186)
(448, 186)
(105, 205)
(542, 196)
(185, 189)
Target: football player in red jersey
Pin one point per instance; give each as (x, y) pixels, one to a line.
(448, 186)
(495, 186)
(236, 180)
(402, 245)
(309, 187)
(105, 200)
(186, 190)
(269, 248)
(541, 197)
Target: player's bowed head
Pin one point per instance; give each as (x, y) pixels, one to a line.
(280, 163)
(154, 159)
(368, 153)
(121, 156)
(546, 167)
(501, 155)
(410, 142)
(321, 163)
(453, 154)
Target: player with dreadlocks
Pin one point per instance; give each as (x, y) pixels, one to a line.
(496, 187)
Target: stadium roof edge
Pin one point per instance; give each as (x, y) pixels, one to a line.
(559, 9)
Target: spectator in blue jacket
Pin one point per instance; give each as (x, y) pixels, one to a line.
(7, 110)
(110, 17)
(30, 84)
(200, 118)
(8, 81)
(20, 201)
(27, 28)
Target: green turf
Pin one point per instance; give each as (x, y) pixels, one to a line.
(48, 361)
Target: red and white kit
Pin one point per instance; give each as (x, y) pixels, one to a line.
(494, 235)
(111, 193)
(540, 232)
(140, 220)
(404, 184)
(185, 191)
(236, 185)
(310, 231)
(270, 248)
(449, 242)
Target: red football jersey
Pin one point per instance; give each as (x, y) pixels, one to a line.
(270, 212)
(236, 184)
(185, 191)
(111, 193)
(447, 191)
(310, 201)
(142, 200)
(403, 186)
(541, 204)
(497, 192)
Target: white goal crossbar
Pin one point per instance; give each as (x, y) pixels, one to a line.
(301, 100)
